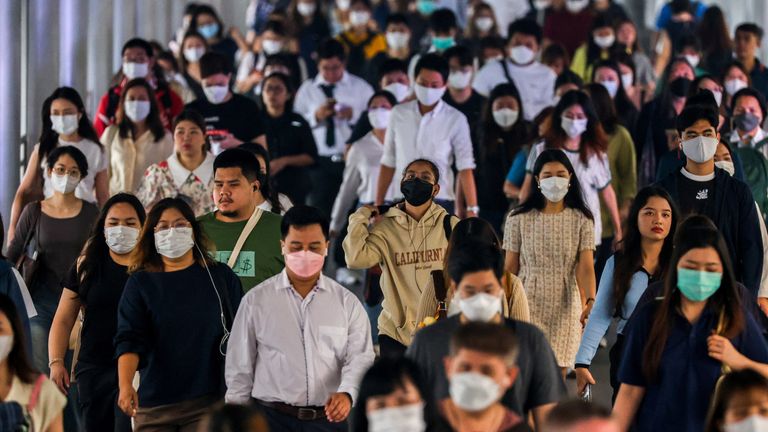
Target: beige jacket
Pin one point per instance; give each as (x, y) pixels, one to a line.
(515, 302)
(129, 158)
(407, 251)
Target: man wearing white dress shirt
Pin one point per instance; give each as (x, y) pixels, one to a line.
(430, 128)
(332, 103)
(534, 81)
(300, 342)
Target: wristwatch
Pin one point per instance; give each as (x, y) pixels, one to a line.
(473, 209)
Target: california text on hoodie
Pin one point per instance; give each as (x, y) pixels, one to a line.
(407, 251)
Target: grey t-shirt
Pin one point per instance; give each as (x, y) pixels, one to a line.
(538, 383)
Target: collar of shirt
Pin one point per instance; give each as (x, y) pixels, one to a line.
(204, 172)
(284, 283)
(697, 178)
(735, 138)
(319, 80)
(436, 110)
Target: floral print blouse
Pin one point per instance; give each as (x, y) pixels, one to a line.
(169, 179)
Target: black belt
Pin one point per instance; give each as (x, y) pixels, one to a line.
(302, 413)
(337, 158)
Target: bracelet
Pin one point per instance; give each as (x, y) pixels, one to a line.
(473, 209)
(54, 361)
(592, 299)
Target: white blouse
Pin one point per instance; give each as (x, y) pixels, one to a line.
(129, 158)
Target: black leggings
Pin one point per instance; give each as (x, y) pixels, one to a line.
(614, 356)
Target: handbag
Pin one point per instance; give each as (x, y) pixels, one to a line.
(28, 262)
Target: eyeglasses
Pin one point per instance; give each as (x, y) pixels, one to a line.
(180, 224)
(74, 173)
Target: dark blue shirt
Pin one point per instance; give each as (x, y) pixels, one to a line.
(759, 77)
(172, 321)
(679, 398)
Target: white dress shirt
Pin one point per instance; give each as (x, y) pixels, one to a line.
(535, 82)
(297, 351)
(351, 91)
(442, 136)
(361, 177)
(759, 136)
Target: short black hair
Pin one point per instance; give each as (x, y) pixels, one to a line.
(569, 77)
(688, 41)
(71, 151)
(568, 413)
(433, 62)
(526, 26)
(495, 42)
(487, 338)
(462, 53)
(395, 18)
(212, 63)
(302, 216)
(751, 28)
(703, 97)
(472, 256)
(238, 158)
(392, 65)
(331, 48)
(385, 94)
(443, 21)
(553, 52)
(433, 166)
(750, 91)
(680, 6)
(138, 43)
(275, 26)
(693, 113)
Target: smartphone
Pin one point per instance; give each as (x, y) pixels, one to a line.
(586, 395)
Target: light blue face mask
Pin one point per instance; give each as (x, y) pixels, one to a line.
(698, 285)
(443, 43)
(209, 30)
(426, 7)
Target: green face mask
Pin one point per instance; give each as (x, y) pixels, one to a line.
(426, 7)
(443, 43)
(698, 285)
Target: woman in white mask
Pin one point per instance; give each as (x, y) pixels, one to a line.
(23, 385)
(550, 243)
(481, 25)
(596, 48)
(95, 285)
(64, 122)
(193, 46)
(311, 27)
(734, 79)
(608, 74)
(137, 139)
(53, 232)
(394, 397)
(740, 404)
(361, 42)
(173, 319)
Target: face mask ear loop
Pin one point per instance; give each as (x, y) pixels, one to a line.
(224, 338)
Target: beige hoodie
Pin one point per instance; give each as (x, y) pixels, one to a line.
(407, 251)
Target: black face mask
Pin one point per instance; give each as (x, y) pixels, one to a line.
(746, 121)
(679, 86)
(416, 191)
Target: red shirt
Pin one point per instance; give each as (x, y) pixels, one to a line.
(170, 105)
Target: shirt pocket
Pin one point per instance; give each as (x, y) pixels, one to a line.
(331, 341)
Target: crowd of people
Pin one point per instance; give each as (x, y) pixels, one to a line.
(399, 216)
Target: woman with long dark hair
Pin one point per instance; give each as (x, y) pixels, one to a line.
(206, 22)
(504, 142)
(550, 242)
(95, 285)
(310, 26)
(608, 73)
(64, 122)
(193, 47)
(716, 43)
(173, 321)
(575, 129)
(644, 76)
(668, 371)
(597, 47)
(642, 258)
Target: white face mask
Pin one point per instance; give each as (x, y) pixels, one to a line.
(554, 188)
(193, 54)
(405, 418)
(626, 80)
(460, 80)
(521, 54)
(359, 18)
(505, 117)
(727, 166)
(306, 9)
(753, 423)
(611, 86)
(121, 239)
(137, 110)
(718, 97)
(573, 127)
(734, 85)
(269, 46)
(135, 70)
(6, 345)
(576, 6)
(216, 93)
(429, 96)
(64, 183)
(397, 40)
(541, 4)
(379, 118)
(472, 391)
(693, 59)
(65, 124)
(174, 242)
(480, 307)
(343, 4)
(604, 41)
(484, 24)
(700, 149)
(399, 90)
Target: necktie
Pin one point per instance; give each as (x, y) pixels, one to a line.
(330, 127)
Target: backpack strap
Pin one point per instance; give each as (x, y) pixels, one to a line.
(505, 68)
(34, 398)
(441, 292)
(447, 227)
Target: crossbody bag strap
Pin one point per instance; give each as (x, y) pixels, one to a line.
(441, 292)
(252, 221)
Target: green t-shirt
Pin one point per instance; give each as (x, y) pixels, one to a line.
(260, 258)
